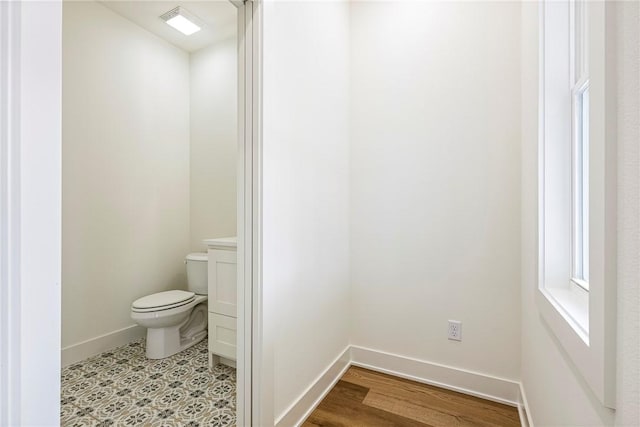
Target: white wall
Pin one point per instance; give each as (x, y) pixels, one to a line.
(305, 160)
(125, 169)
(435, 152)
(213, 166)
(627, 24)
(556, 393)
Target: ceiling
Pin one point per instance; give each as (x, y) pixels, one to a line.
(218, 16)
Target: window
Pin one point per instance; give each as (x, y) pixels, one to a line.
(580, 136)
(577, 182)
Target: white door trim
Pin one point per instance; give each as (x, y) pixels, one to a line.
(9, 213)
(251, 405)
(30, 208)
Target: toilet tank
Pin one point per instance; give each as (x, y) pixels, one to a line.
(197, 273)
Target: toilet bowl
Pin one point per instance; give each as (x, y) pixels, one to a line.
(175, 320)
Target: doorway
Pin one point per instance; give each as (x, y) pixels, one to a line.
(32, 31)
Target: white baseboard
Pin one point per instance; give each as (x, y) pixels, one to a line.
(91, 347)
(484, 386)
(523, 409)
(472, 383)
(313, 395)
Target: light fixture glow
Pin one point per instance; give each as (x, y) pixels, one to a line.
(181, 20)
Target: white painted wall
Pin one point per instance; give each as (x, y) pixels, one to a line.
(125, 169)
(627, 25)
(556, 393)
(214, 147)
(435, 153)
(305, 206)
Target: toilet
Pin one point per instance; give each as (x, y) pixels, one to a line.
(175, 320)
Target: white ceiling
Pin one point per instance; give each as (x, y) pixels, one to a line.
(218, 16)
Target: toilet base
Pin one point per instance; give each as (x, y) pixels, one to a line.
(165, 342)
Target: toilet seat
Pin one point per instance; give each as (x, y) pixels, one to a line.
(167, 312)
(162, 301)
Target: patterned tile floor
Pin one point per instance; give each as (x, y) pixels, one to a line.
(124, 388)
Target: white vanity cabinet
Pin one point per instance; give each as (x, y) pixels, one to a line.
(222, 300)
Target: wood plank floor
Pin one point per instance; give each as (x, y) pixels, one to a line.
(367, 398)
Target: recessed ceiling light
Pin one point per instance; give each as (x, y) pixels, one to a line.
(182, 20)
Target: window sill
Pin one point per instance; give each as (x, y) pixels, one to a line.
(572, 303)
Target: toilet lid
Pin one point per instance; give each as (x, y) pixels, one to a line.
(162, 299)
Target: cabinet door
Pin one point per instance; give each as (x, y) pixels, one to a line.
(222, 335)
(222, 282)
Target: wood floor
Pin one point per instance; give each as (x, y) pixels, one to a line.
(367, 398)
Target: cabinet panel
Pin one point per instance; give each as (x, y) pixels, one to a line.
(222, 282)
(222, 335)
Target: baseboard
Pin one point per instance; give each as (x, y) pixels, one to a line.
(313, 395)
(472, 383)
(85, 349)
(523, 409)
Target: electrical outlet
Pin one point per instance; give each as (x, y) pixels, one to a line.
(455, 330)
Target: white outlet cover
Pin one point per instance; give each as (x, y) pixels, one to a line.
(455, 330)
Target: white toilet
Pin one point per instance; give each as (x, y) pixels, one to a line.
(176, 320)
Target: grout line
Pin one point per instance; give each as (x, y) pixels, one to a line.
(80, 408)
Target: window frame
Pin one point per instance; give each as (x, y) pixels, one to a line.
(579, 74)
(583, 322)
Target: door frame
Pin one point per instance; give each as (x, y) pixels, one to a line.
(30, 211)
(249, 357)
(30, 214)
